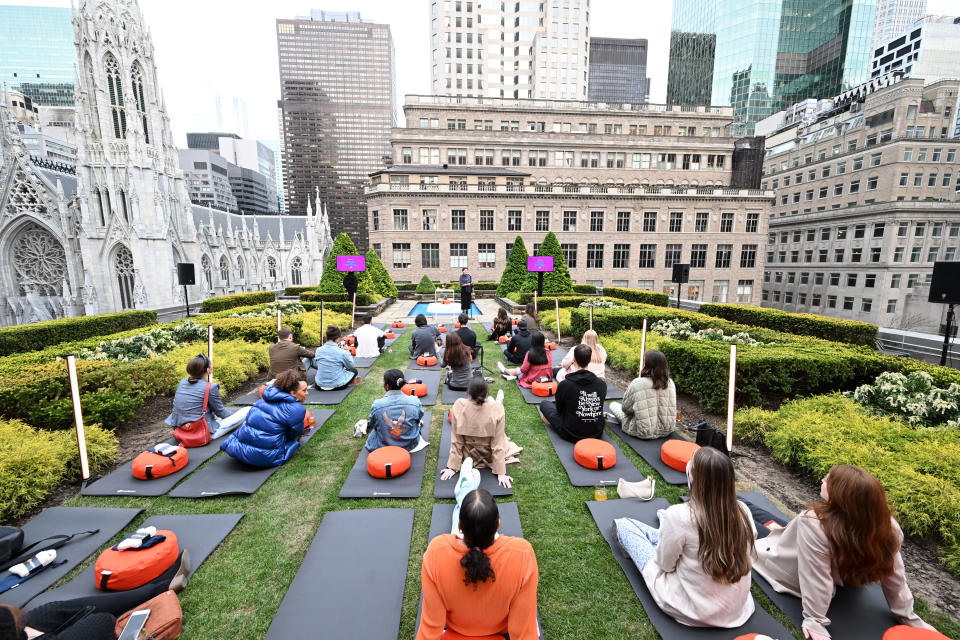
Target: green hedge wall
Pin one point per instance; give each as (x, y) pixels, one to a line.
(363, 299)
(806, 324)
(296, 291)
(545, 302)
(40, 335)
(585, 288)
(338, 307)
(637, 295)
(221, 303)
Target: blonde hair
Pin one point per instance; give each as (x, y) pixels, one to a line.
(590, 339)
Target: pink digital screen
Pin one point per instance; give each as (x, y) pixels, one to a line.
(540, 263)
(351, 263)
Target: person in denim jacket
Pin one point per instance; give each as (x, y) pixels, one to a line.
(334, 365)
(394, 418)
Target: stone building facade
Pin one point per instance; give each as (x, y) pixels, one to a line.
(868, 198)
(109, 235)
(628, 192)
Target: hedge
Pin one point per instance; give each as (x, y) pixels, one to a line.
(33, 463)
(40, 335)
(546, 302)
(363, 299)
(382, 281)
(221, 303)
(918, 466)
(585, 288)
(332, 280)
(806, 324)
(638, 295)
(337, 307)
(296, 291)
(426, 285)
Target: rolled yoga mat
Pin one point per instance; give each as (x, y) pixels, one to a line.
(360, 484)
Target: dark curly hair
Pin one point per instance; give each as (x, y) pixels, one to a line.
(479, 518)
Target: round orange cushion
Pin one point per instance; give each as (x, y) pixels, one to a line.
(352, 350)
(441, 328)
(388, 462)
(396, 324)
(390, 335)
(418, 389)
(515, 321)
(593, 453)
(552, 346)
(753, 636)
(544, 389)
(453, 635)
(677, 453)
(426, 361)
(903, 632)
(351, 340)
(503, 339)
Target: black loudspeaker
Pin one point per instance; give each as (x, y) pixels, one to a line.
(185, 274)
(681, 273)
(945, 286)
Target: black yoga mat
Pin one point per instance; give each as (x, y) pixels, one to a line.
(448, 395)
(198, 533)
(351, 582)
(121, 482)
(360, 484)
(314, 395)
(397, 333)
(364, 363)
(444, 488)
(583, 477)
(853, 613)
(67, 521)
(227, 476)
(649, 450)
(433, 380)
(604, 514)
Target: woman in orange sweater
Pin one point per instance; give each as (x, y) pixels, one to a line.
(481, 584)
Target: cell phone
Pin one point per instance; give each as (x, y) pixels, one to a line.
(131, 631)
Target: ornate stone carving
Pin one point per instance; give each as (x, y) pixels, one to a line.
(39, 261)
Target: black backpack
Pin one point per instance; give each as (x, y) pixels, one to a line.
(709, 436)
(13, 552)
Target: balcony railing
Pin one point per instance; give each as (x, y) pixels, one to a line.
(627, 189)
(575, 105)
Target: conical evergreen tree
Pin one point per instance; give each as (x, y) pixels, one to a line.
(516, 269)
(332, 280)
(426, 285)
(380, 276)
(554, 282)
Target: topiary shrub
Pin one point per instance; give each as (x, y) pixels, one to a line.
(426, 285)
(40, 335)
(516, 270)
(556, 282)
(221, 303)
(380, 276)
(332, 280)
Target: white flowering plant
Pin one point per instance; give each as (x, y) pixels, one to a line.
(269, 310)
(912, 397)
(601, 303)
(145, 345)
(683, 330)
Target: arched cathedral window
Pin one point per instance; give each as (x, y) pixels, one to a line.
(207, 272)
(39, 261)
(123, 269)
(115, 86)
(272, 267)
(224, 270)
(296, 271)
(139, 98)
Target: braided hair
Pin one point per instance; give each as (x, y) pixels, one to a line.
(479, 518)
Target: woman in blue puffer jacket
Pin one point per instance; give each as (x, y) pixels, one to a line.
(271, 433)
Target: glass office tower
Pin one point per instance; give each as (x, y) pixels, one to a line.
(761, 56)
(37, 53)
(618, 71)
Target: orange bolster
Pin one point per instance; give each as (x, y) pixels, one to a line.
(388, 462)
(544, 389)
(677, 453)
(415, 388)
(903, 632)
(594, 453)
(426, 361)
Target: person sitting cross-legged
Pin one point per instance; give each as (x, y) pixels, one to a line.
(467, 335)
(519, 344)
(477, 583)
(271, 434)
(537, 363)
(577, 412)
(502, 325)
(370, 339)
(335, 369)
(424, 338)
(456, 357)
(287, 354)
(188, 401)
(478, 422)
(649, 407)
(597, 361)
(395, 419)
(697, 564)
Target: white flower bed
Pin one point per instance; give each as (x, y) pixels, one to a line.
(912, 397)
(145, 345)
(682, 330)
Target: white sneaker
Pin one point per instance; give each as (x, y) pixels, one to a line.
(506, 377)
(501, 367)
(499, 397)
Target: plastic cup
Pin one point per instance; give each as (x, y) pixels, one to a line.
(600, 494)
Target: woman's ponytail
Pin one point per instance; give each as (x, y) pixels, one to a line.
(476, 566)
(479, 519)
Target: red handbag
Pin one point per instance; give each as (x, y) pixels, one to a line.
(196, 433)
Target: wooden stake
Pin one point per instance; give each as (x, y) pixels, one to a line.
(733, 384)
(557, 301)
(278, 320)
(536, 306)
(353, 315)
(78, 417)
(591, 318)
(322, 328)
(643, 343)
(210, 351)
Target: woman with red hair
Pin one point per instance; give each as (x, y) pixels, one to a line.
(850, 538)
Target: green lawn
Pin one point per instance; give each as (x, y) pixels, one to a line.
(583, 593)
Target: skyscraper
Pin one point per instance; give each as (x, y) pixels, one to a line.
(510, 50)
(618, 71)
(37, 54)
(894, 17)
(764, 55)
(338, 105)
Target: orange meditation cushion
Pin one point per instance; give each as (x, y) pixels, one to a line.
(903, 632)
(426, 361)
(457, 325)
(396, 324)
(594, 453)
(552, 346)
(444, 301)
(388, 462)
(503, 339)
(544, 388)
(415, 388)
(753, 636)
(441, 328)
(390, 335)
(351, 340)
(677, 453)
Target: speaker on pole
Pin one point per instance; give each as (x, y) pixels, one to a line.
(681, 273)
(185, 274)
(945, 285)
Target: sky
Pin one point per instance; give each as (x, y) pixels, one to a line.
(228, 48)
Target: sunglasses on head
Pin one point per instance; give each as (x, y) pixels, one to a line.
(206, 360)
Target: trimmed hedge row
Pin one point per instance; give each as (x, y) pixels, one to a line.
(918, 466)
(220, 303)
(337, 307)
(32, 463)
(363, 299)
(40, 335)
(545, 302)
(296, 291)
(805, 324)
(637, 295)
(584, 288)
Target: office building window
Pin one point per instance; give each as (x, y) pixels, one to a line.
(648, 256)
(721, 289)
(726, 222)
(698, 256)
(487, 255)
(596, 221)
(569, 220)
(543, 221)
(429, 255)
(458, 219)
(400, 220)
(594, 256)
(401, 255)
(649, 221)
(723, 256)
(621, 256)
(672, 255)
(486, 219)
(623, 221)
(570, 254)
(748, 256)
(514, 220)
(753, 222)
(702, 220)
(458, 255)
(376, 220)
(676, 221)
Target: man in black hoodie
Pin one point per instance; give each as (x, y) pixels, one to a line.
(519, 344)
(577, 412)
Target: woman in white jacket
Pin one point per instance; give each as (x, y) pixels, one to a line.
(649, 407)
(597, 360)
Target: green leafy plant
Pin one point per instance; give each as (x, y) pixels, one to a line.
(380, 276)
(682, 330)
(426, 285)
(40, 335)
(270, 310)
(912, 397)
(638, 295)
(515, 272)
(145, 345)
(222, 303)
(332, 280)
(601, 303)
(554, 282)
